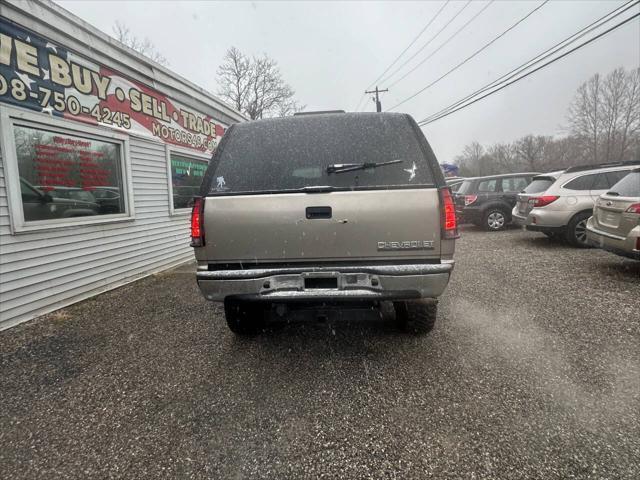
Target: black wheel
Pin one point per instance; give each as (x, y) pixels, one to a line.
(244, 318)
(576, 234)
(494, 219)
(416, 316)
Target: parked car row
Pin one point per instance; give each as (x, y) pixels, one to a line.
(588, 205)
(488, 201)
(563, 208)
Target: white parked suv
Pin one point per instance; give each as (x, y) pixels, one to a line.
(567, 203)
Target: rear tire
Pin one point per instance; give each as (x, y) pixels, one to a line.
(576, 234)
(416, 316)
(494, 219)
(244, 318)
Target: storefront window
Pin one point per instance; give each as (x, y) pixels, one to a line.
(65, 176)
(186, 177)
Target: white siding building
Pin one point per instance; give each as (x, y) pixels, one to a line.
(101, 151)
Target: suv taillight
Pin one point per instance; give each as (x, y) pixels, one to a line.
(469, 199)
(543, 200)
(635, 208)
(448, 215)
(197, 224)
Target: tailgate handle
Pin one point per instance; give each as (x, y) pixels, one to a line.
(318, 212)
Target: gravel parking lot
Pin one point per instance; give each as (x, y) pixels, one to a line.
(532, 371)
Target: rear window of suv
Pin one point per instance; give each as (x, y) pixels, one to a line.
(294, 152)
(539, 185)
(629, 186)
(465, 187)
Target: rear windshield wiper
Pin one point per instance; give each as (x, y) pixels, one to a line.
(350, 167)
(613, 194)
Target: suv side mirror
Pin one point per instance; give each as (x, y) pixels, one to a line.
(46, 198)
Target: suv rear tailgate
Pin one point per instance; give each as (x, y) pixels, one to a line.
(334, 226)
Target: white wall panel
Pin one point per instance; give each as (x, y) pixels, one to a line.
(43, 271)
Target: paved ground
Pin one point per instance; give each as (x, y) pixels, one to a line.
(533, 371)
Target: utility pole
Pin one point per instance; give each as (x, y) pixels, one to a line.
(377, 99)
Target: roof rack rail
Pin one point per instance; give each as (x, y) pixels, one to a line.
(580, 168)
(318, 112)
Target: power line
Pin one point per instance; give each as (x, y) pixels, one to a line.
(472, 55)
(540, 57)
(428, 43)
(410, 45)
(450, 110)
(618, 25)
(443, 44)
(403, 52)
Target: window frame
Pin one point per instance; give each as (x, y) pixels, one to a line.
(10, 118)
(183, 152)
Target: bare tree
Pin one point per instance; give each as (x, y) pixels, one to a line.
(604, 120)
(255, 86)
(605, 115)
(613, 92)
(234, 78)
(563, 152)
(502, 158)
(145, 47)
(530, 151)
(469, 160)
(583, 115)
(630, 127)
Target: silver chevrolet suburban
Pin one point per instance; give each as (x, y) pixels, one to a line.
(325, 208)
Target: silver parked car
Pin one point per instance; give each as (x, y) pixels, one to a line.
(565, 206)
(325, 208)
(539, 184)
(615, 224)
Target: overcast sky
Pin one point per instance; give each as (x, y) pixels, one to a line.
(331, 51)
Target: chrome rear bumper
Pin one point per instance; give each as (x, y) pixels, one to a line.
(366, 282)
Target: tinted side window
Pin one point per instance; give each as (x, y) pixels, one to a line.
(583, 182)
(601, 182)
(487, 185)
